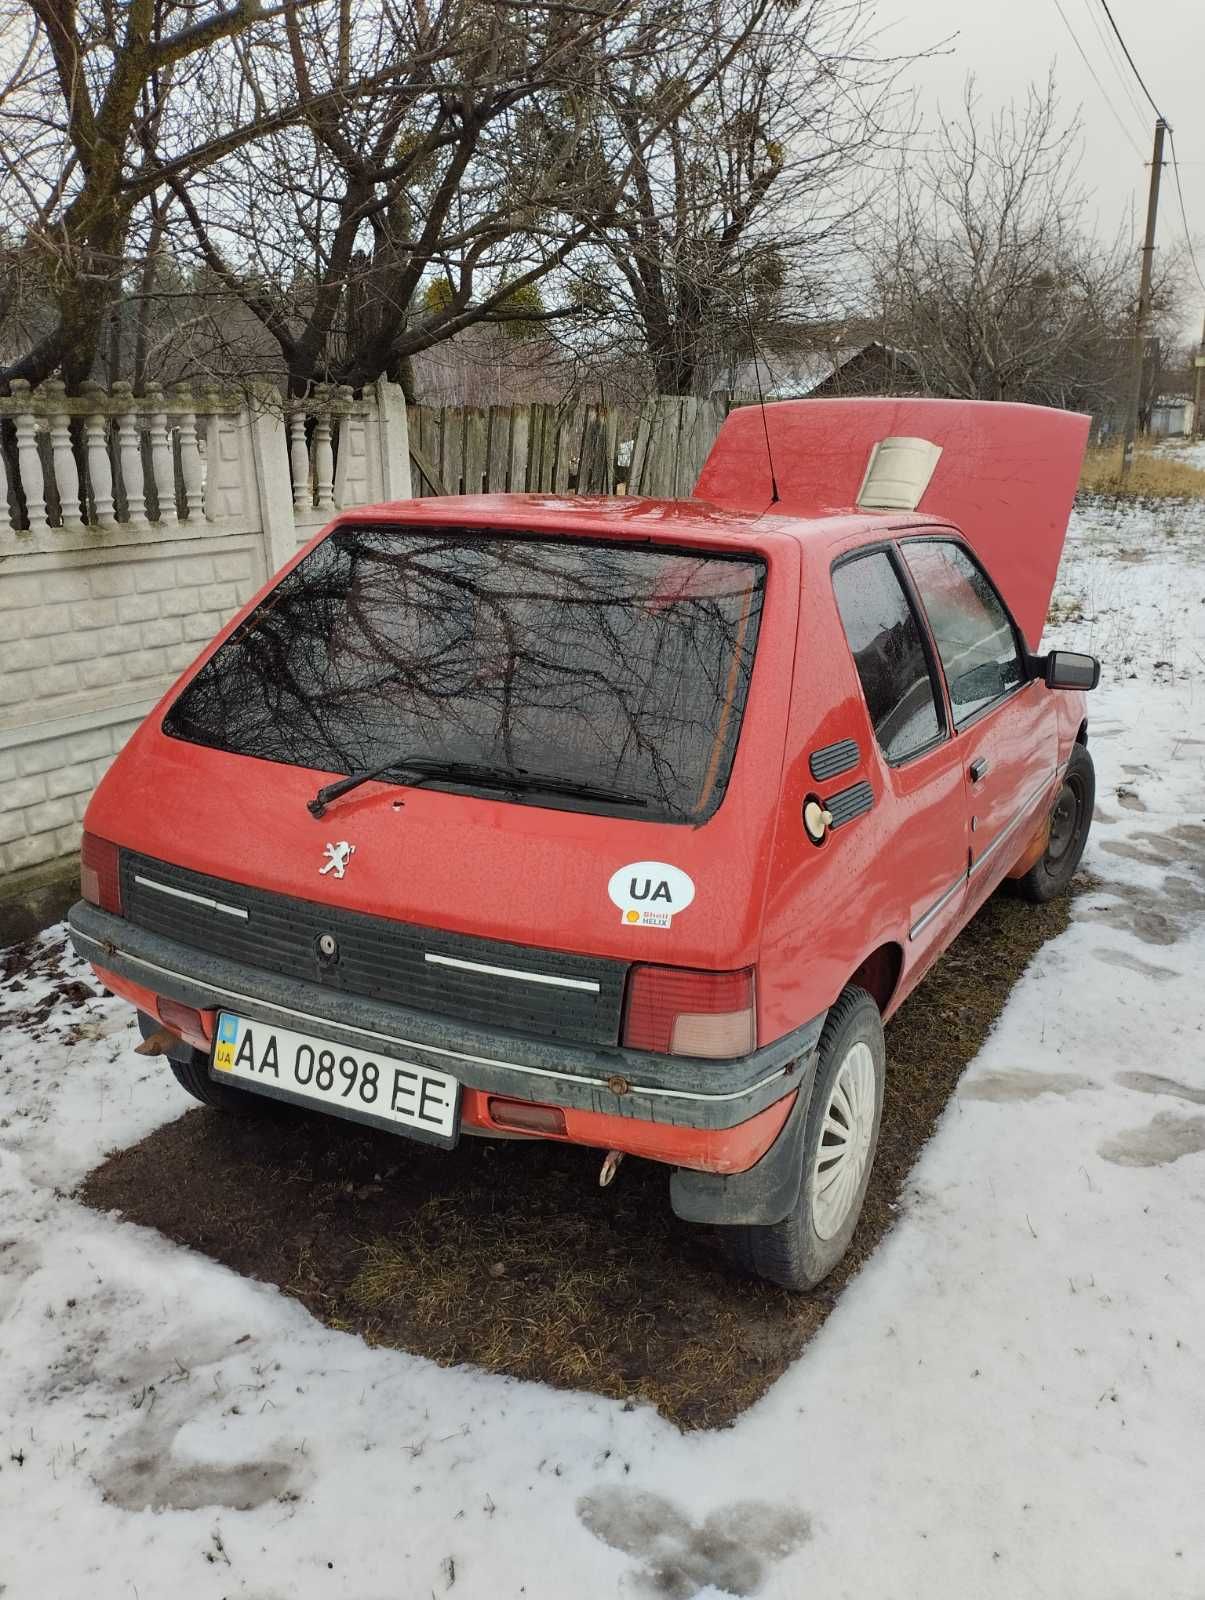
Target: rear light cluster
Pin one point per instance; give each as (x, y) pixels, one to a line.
(684, 1013)
(100, 874)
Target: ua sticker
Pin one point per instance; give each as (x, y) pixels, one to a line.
(650, 893)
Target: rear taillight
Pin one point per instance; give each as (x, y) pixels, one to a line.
(100, 874)
(683, 1013)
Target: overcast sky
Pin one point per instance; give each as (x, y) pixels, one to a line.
(1009, 43)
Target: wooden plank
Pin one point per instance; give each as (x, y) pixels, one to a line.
(433, 439)
(497, 450)
(414, 436)
(432, 483)
(568, 446)
(540, 447)
(614, 418)
(453, 451)
(591, 464)
(654, 478)
(552, 429)
(520, 447)
(640, 447)
(475, 441)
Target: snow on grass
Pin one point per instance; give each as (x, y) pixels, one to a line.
(1009, 1400)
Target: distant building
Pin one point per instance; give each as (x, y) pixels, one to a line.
(866, 367)
(1172, 416)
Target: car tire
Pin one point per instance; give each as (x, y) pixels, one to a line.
(190, 1068)
(801, 1250)
(1070, 822)
(193, 1077)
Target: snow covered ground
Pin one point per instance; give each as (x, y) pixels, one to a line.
(1009, 1401)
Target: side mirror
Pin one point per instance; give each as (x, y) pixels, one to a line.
(1068, 669)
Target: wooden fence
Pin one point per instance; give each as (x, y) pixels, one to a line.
(657, 449)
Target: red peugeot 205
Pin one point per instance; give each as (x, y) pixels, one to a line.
(617, 821)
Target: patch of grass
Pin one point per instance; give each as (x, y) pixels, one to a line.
(1065, 609)
(1153, 475)
(509, 1256)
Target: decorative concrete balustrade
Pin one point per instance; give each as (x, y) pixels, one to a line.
(110, 461)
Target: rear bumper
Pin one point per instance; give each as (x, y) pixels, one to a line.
(629, 1085)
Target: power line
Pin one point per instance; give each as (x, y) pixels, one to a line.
(1096, 80)
(1175, 165)
(1192, 254)
(1114, 57)
(1133, 68)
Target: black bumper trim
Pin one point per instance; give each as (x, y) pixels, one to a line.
(678, 1090)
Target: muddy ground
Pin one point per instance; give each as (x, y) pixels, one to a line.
(509, 1255)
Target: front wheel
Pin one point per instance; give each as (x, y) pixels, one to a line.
(1070, 821)
(838, 1153)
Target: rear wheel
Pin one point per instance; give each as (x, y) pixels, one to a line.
(1070, 821)
(838, 1154)
(190, 1068)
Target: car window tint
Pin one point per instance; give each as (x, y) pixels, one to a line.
(888, 649)
(972, 630)
(621, 667)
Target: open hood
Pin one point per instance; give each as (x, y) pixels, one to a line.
(1004, 474)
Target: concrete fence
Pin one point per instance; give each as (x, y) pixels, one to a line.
(130, 530)
(132, 527)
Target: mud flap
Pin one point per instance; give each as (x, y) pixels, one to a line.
(767, 1192)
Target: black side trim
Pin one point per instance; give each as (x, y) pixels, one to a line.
(849, 803)
(834, 759)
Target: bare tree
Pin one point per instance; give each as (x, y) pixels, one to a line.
(370, 232)
(733, 211)
(116, 107)
(987, 273)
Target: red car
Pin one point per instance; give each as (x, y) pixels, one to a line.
(623, 822)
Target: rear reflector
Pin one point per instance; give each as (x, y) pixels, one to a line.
(99, 874)
(184, 1021)
(525, 1117)
(684, 1013)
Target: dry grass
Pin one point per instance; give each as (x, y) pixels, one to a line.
(509, 1255)
(1153, 475)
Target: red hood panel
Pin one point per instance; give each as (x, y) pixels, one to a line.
(1006, 477)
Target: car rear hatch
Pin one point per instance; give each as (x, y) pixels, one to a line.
(589, 712)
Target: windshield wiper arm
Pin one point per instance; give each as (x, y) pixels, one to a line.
(515, 779)
(399, 761)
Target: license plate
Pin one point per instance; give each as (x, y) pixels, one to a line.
(351, 1083)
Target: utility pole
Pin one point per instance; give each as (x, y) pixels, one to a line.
(1198, 424)
(1144, 301)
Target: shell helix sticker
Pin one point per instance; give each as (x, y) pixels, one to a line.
(650, 894)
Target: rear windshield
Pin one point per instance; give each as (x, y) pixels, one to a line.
(617, 667)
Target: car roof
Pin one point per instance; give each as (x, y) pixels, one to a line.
(636, 517)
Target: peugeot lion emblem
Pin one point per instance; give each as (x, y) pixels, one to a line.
(338, 856)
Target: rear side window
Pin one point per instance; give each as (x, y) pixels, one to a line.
(973, 633)
(610, 670)
(889, 652)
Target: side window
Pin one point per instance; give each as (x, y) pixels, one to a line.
(889, 652)
(972, 630)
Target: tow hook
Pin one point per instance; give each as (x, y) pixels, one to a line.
(610, 1167)
(157, 1044)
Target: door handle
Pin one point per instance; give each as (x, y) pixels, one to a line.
(977, 768)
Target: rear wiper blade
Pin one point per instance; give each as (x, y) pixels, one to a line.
(515, 779)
